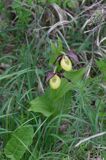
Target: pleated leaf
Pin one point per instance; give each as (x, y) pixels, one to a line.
(19, 142)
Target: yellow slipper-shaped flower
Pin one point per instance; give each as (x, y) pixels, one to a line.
(66, 63)
(55, 82)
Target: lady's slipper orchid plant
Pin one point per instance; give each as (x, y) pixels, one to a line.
(65, 61)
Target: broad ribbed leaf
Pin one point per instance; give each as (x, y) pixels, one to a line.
(41, 105)
(75, 75)
(48, 103)
(19, 142)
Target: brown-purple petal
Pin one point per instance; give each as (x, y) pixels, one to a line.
(49, 76)
(72, 55)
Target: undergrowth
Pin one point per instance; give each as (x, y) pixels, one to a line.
(38, 122)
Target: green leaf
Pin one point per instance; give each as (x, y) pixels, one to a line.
(19, 142)
(41, 105)
(63, 105)
(60, 45)
(102, 65)
(73, 4)
(55, 1)
(1, 6)
(56, 48)
(48, 103)
(104, 155)
(75, 75)
(22, 13)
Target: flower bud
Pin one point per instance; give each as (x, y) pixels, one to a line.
(66, 63)
(55, 82)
